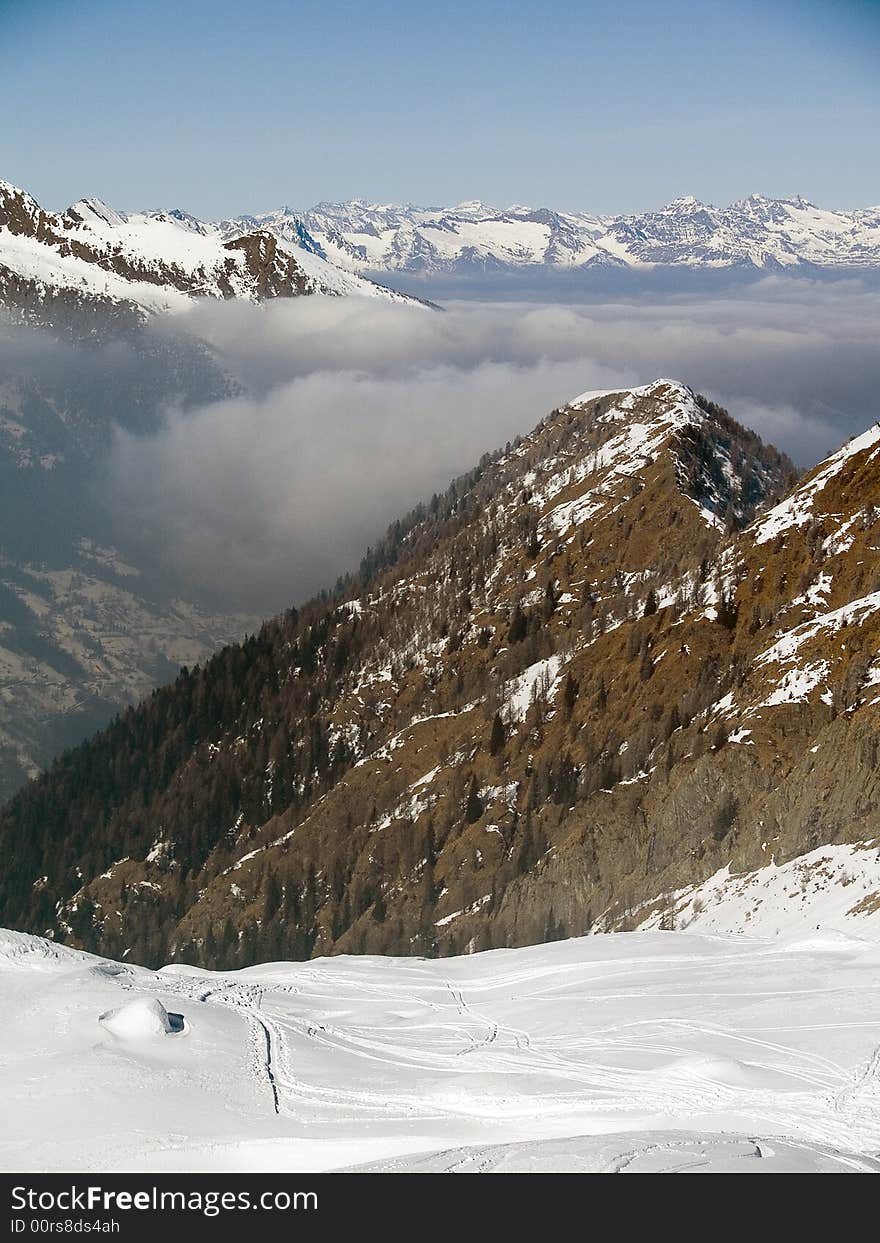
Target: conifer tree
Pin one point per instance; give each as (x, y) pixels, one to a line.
(498, 738)
(518, 628)
(474, 806)
(570, 694)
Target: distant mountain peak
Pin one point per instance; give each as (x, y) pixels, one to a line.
(94, 209)
(473, 237)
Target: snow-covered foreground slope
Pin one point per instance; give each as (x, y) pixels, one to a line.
(627, 1052)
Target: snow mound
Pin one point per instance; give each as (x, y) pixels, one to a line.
(145, 1018)
(184, 971)
(828, 941)
(715, 1068)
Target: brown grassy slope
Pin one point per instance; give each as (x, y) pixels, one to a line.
(393, 846)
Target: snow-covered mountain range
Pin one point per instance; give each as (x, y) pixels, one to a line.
(754, 233)
(159, 261)
(140, 263)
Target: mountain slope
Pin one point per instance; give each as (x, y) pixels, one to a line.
(89, 619)
(92, 259)
(461, 744)
(754, 234)
(80, 638)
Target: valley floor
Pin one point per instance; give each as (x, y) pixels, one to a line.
(622, 1053)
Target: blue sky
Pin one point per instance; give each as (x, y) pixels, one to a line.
(220, 108)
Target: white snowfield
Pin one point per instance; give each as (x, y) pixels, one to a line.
(645, 1051)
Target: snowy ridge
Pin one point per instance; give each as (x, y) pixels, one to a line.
(49, 270)
(650, 416)
(157, 261)
(799, 508)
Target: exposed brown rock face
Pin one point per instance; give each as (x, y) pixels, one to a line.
(275, 273)
(585, 676)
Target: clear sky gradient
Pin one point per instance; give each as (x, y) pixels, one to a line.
(220, 108)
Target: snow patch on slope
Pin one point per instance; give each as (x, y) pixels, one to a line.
(853, 612)
(834, 891)
(539, 682)
(799, 508)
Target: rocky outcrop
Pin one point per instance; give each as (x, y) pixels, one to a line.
(274, 273)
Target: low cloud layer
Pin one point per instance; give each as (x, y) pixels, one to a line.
(267, 499)
(357, 410)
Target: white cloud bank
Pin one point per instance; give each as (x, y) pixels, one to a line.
(355, 411)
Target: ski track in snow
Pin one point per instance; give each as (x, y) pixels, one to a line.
(627, 1052)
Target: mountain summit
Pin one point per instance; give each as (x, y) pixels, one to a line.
(620, 657)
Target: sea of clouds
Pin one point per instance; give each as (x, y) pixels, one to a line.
(352, 410)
